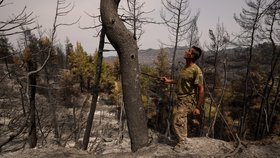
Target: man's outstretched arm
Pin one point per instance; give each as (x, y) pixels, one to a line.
(168, 81)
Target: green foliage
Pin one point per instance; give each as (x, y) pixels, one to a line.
(68, 89)
(83, 67)
(145, 81)
(116, 69)
(154, 92)
(107, 78)
(152, 86)
(162, 64)
(162, 68)
(68, 51)
(5, 50)
(45, 48)
(117, 88)
(107, 74)
(79, 61)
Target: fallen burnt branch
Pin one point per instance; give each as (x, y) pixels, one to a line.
(235, 151)
(13, 136)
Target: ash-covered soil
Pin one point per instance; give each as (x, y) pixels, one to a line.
(197, 147)
(107, 142)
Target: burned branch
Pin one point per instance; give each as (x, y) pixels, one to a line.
(15, 22)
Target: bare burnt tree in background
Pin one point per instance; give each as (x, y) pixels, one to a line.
(33, 68)
(254, 34)
(250, 23)
(219, 40)
(13, 24)
(193, 36)
(135, 18)
(269, 100)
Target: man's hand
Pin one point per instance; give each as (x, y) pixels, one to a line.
(196, 111)
(163, 79)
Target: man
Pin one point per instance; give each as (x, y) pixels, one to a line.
(190, 93)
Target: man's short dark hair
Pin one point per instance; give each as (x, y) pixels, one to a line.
(197, 53)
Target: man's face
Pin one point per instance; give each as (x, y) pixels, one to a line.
(188, 53)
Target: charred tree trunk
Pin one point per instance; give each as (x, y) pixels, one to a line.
(126, 46)
(7, 67)
(82, 84)
(95, 91)
(32, 85)
(52, 106)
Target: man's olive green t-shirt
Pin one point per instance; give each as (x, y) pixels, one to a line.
(186, 81)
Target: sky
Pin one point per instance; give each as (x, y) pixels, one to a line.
(211, 11)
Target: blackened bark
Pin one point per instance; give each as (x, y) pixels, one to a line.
(82, 84)
(95, 91)
(52, 106)
(124, 43)
(32, 85)
(7, 67)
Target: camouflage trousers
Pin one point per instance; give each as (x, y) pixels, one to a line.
(181, 110)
